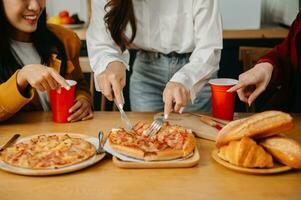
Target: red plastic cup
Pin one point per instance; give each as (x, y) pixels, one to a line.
(222, 101)
(61, 102)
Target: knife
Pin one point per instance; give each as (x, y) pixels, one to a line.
(9, 142)
(212, 123)
(218, 124)
(124, 118)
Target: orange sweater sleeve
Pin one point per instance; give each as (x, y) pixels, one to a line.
(11, 99)
(72, 46)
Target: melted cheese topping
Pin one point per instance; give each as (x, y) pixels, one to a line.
(169, 136)
(48, 152)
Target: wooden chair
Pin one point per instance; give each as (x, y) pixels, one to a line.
(249, 56)
(86, 68)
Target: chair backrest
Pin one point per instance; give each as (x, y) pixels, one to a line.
(249, 56)
(86, 68)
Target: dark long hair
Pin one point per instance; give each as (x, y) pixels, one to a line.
(119, 14)
(43, 40)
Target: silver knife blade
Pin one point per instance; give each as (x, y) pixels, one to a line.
(124, 117)
(9, 142)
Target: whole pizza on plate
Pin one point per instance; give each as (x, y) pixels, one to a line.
(171, 142)
(48, 152)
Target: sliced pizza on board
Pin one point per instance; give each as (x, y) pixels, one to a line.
(171, 142)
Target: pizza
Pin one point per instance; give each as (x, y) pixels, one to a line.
(171, 142)
(48, 152)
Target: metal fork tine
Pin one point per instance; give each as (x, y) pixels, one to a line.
(151, 128)
(154, 127)
(157, 126)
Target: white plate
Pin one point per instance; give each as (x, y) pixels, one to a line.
(74, 26)
(45, 172)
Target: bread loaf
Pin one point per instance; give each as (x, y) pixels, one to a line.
(286, 150)
(260, 125)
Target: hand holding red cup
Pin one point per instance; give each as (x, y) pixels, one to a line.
(61, 101)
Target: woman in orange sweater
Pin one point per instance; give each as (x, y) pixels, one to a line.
(36, 57)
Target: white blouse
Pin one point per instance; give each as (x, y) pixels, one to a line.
(182, 26)
(28, 54)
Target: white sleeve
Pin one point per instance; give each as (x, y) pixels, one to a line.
(102, 50)
(204, 60)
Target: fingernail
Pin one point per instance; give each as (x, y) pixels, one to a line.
(59, 90)
(68, 119)
(230, 90)
(70, 111)
(165, 116)
(68, 87)
(181, 110)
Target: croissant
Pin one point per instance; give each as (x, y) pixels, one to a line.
(246, 153)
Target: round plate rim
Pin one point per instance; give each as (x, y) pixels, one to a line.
(46, 172)
(228, 165)
(74, 26)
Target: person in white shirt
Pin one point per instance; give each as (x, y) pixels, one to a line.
(179, 45)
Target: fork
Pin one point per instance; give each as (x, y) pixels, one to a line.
(155, 126)
(100, 149)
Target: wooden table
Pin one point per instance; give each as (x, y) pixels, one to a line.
(266, 32)
(103, 181)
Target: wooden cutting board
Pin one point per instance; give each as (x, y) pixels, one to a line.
(188, 162)
(192, 122)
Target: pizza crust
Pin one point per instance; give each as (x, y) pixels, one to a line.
(189, 145)
(167, 154)
(128, 151)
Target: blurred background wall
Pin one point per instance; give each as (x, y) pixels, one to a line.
(73, 6)
(279, 11)
(247, 13)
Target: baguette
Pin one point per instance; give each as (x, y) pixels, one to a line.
(260, 125)
(286, 150)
